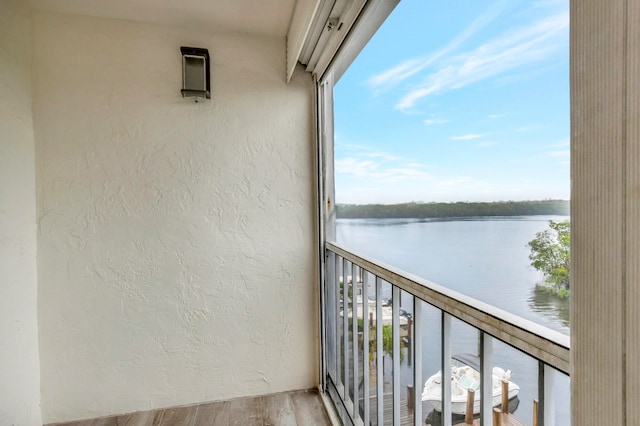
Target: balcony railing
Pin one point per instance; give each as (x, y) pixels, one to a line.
(378, 353)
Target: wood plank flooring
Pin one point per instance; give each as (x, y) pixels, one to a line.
(300, 408)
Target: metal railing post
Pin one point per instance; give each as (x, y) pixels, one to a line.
(366, 347)
(354, 338)
(345, 327)
(417, 362)
(396, 354)
(446, 369)
(541, 393)
(549, 402)
(336, 289)
(486, 379)
(379, 353)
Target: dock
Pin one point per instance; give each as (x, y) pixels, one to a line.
(501, 415)
(504, 420)
(406, 413)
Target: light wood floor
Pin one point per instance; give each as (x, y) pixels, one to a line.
(301, 408)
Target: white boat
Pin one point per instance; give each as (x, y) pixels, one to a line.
(465, 375)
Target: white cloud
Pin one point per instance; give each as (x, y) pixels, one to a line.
(364, 175)
(494, 116)
(402, 71)
(380, 167)
(432, 121)
(468, 137)
(406, 69)
(511, 50)
(367, 176)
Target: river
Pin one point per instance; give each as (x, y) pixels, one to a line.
(482, 257)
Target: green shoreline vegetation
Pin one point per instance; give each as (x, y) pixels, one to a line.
(448, 210)
(551, 255)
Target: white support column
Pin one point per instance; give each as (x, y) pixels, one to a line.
(324, 305)
(632, 220)
(326, 181)
(605, 207)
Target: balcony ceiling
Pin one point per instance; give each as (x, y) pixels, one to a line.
(260, 17)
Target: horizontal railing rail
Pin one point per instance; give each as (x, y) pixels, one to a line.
(533, 339)
(354, 358)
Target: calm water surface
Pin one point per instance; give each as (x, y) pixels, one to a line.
(482, 257)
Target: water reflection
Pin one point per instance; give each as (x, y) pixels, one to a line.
(550, 305)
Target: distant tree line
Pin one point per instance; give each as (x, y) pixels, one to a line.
(458, 209)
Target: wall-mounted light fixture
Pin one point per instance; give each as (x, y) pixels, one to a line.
(195, 73)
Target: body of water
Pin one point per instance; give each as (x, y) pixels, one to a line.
(486, 258)
(482, 257)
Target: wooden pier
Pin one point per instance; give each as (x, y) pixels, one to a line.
(406, 414)
(501, 415)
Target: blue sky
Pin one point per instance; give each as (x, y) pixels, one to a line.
(458, 100)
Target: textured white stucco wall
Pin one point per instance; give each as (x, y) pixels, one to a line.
(176, 241)
(19, 369)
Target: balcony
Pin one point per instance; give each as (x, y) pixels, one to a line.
(373, 384)
(158, 253)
